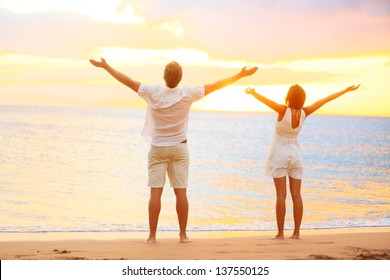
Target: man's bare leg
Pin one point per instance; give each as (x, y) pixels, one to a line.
(154, 212)
(182, 209)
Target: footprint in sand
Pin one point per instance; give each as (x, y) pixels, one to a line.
(61, 252)
(320, 257)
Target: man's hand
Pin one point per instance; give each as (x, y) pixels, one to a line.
(228, 81)
(127, 81)
(244, 72)
(102, 63)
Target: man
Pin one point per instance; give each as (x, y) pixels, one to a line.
(166, 129)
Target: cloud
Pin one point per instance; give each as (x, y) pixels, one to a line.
(46, 33)
(174, 27)
(102, 10)
(268, 76)
(271, 30)
(72, 35)
(260, 31)
(40, 71)
(268, 33)
(189, 57)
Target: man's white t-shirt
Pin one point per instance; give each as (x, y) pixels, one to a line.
(167, 114)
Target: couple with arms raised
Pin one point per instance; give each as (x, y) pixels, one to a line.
(166, 129)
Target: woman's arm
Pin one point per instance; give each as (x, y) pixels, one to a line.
(134, 85)
(228, 81)
(279, 108)
(317, 105)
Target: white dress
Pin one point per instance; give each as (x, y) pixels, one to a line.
(284, 158)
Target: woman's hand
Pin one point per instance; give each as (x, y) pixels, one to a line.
(249, 90)
(351, 88)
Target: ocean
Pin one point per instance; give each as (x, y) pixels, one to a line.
(84, 170)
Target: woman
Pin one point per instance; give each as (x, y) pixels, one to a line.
(285, 158)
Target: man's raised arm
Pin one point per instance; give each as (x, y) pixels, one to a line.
(228, 81)
(134, 85)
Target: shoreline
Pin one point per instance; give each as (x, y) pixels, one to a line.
(340, 244)
(128, 235)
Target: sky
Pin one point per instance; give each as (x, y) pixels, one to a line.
(323, 45)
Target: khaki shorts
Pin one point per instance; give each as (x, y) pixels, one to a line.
(174, 160)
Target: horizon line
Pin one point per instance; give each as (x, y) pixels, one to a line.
(193, 109)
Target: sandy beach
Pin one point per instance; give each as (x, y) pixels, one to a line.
(341, 244)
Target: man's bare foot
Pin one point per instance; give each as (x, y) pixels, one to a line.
(278, 236)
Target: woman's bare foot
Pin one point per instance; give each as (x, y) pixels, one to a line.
(294, 236)
(185, 239)
(151, 240)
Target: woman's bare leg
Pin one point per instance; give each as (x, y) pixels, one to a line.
(295, 189)
(281, 192)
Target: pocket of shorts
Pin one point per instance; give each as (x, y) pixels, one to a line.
(181, 151)
(155, 153)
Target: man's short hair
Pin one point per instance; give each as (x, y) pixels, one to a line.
(173, 74)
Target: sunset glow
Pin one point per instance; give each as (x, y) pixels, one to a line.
(324, 46)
